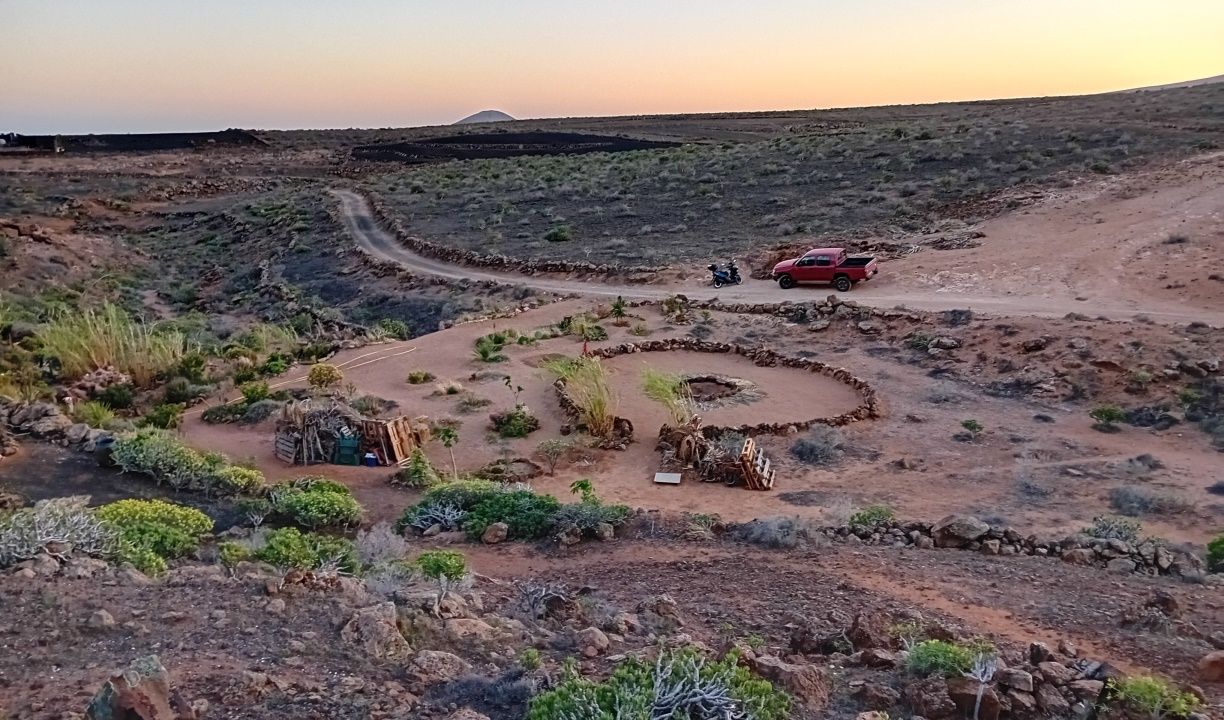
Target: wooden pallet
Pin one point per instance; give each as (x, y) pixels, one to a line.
(759, 473)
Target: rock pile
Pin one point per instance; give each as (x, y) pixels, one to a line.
(965, 532)
(46, 421)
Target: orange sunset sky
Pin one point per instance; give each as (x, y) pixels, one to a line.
(140, 65)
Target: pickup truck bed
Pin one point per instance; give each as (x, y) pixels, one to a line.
(856, 262)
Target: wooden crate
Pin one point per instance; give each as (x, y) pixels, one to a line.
(759, 473)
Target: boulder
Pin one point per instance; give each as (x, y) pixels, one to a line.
(592, 641)
(101, 619)
(495, 533)
(1015, 678)
(877, 658)
(1051, 700)
(1056, 673)
(929, 698)
(1087, 690)
(1211, 667)
(470, 629)
(868, 630)
(877, 696)
(605, 532)
(141, 692)
(964, 692)
(435, 666)
(808, 684)
(1121, 566)
(956, 531)
(660, 611)
(374, 630)
(1079, 556)
(50, 425)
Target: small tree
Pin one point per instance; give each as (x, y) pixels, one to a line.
(585, 489)
(446, 567)
(973, 427)
(323, 376)
(619, 313)
(1107, 417)
(516, 389)
(552, 450)
(448, 436)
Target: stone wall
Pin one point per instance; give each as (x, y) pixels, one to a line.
(965, 532)
(869, 406)
(492, 261)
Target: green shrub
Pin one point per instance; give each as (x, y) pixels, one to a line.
(231, 553)
(1153, 697)
(153, 531)
(235, 480)
(166, 416)
(323, 376)
(872, 515)
(529, 659)
(446, 567)
(94, 414)
(119, 397)
(559, 233)
(587, 516)
(181, 391)
(253, 392)
(464, 494)
(290, 548)
(488, 351)
(192, 367)
(517, 423)
(397, 329)
(418, 474)
(937, 657)
(315, 503)
(527, 514)
(420, 377)
(638, 690)
(275, 365)
(1107, 417)
(232, 412)
(85, 340)
(1215, 554)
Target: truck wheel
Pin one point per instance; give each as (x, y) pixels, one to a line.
(786, 282)
(842, 283)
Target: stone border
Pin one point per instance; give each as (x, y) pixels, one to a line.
(472, 258)
(965, 532)
(762, 357)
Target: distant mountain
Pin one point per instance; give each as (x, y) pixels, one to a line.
(1187, 83)
(485, 116)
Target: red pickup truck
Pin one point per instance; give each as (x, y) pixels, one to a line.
(825, 265)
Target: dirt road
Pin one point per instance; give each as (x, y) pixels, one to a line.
(371, 237)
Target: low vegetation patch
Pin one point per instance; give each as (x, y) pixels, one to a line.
(1112, 527)
(316, 502)
(822, 446)
(1137, 500)
(292, 549)
(672, 392)
(150, 532)
(516, 423)
(587, 385)
(944, 659)
(86, 340)
(1153, 697)
(164, 458)
(420, 377)
(872, 516)
(418, 474)
(1215, 554)
(681, 683)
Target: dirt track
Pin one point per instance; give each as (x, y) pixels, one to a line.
(921, 292)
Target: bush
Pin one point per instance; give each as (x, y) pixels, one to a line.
(778, 532)
(671, 391)
(444, 566)
(275, 365)
(231, 553)
(119, 397)
(420, 377)
(418, 474)
(937, 657)
(253, 392)
(464, 494)
(379, 545)
(257, 412)
(165, 417)
(529, 659)
(25, 532)
(1135, 500)
(1107, 417)
(821, 447)
(165, 459)
(94, 414)
(153, 531)
(552, 450)
(527, 514)
(425, 515)
(1153, 697)
(517, 423)
(559, 233)
(232, 412)
(1215, 554)
(315, 502)
(323, 376)
(85, 340)
(678, 684)
(587, 385)
(872, 515)
(397, 329)
(235, 480)
(180, 391)
(1112, 527)
(586, 516)
(292, 549)
(489, 350)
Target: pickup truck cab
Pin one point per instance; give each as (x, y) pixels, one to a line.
(825, 265)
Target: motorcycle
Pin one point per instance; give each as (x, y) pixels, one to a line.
(725, 276)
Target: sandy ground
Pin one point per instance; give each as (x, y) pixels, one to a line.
(1098, 248)
(1048, 477)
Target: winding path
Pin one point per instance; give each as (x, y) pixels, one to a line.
(376, 240)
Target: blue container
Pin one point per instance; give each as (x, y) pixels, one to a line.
(371, 460)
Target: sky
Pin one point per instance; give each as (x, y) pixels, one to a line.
(77, 66)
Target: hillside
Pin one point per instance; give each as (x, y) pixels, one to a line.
(485, 116)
